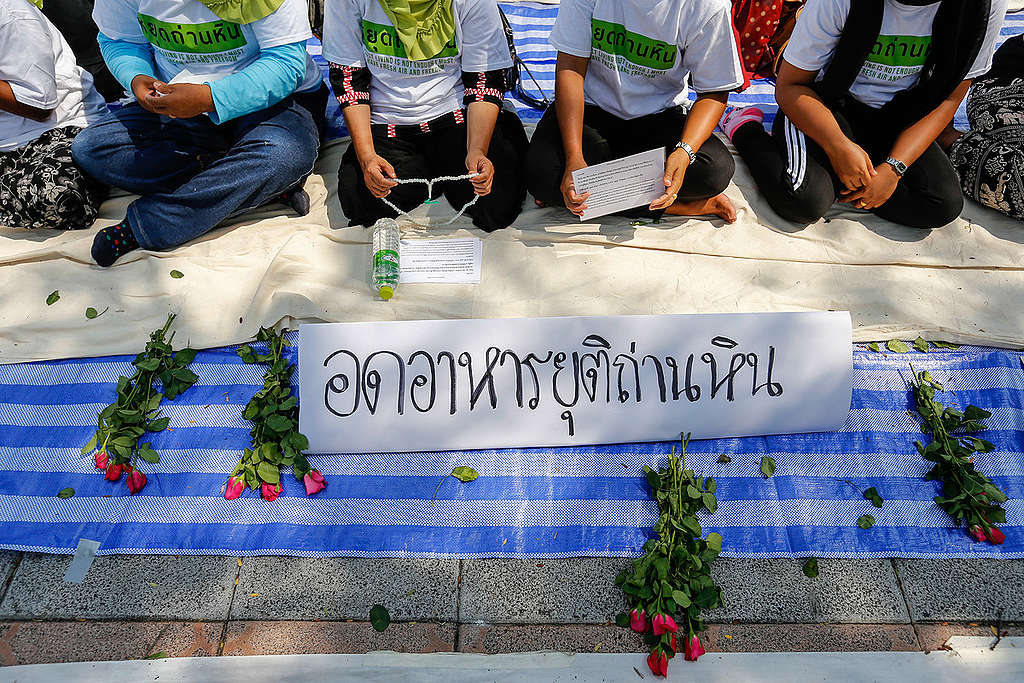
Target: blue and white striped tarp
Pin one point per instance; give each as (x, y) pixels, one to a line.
(545, 502)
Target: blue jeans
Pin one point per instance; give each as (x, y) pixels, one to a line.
(193, 174)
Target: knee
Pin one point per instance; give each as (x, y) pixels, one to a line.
(85, 150)
(290, 155)
(941, 210)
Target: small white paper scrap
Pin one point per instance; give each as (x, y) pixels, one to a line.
(621, 184)
(455, 260)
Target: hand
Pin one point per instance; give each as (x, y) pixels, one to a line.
(378, 175)
(675, 168)
(142, 87)
(179, 100)
(876, 192)
(477, 162)
(574, 202)
(852, 164)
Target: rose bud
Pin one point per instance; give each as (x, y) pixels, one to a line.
(995, 536)
(113, 472)
(672, 645)
(658, 662)
(270, 492)
(693, 649)
(314, 482)
(976, 533)
(102, 459)
(638, 621)
(136, 481)
(664, 624)
(234, 488)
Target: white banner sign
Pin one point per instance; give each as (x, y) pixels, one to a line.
(464, 384)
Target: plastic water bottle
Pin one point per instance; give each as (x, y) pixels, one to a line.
(385, 265)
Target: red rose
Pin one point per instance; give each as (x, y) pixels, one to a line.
(101, 460)
(136, 482)
(664, 624)
(114, 472)
(234, 488)
(638, 621)
(693, 649)
(995, 536)
(976, 533)
(314, 482)
(658, 662)
(270, 492)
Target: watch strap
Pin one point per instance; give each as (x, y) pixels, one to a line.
(689, 150)
(897, 166)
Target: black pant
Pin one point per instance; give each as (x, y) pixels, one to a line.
(796, 175)
(434, 154)
(607, 137)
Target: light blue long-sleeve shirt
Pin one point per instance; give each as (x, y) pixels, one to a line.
(275, 75)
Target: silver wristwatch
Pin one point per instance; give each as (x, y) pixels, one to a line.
(897, 166)
(689, 150)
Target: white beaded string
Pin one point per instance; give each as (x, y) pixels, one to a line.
(430, 193)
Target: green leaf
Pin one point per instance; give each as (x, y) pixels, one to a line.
(872, 495)
(158, 655)
(379, 618)
(91, 313)
(91, 446)
(692, 491)
(268, 472)
(53, 298)
(767, 466)
(874, 347)
(66, 493)
(976, 413)
(251, 411)
(653, 479)
(710, 502)
(714, 540)
(921, 345)
(866, 521)
(148, 454)
(710, 485)
(622, 619)
(465, 473)
(177, 274)
(681, 599)
(148, 364)
(811, 568)
(896, 346)
(946, 345)
(158, 425)
(184, 357)
(278, 423)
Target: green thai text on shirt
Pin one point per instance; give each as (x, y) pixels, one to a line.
(901, 50)
(206, 38)
(614, 39)
(382, 39)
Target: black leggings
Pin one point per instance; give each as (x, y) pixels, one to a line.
(434, 154)
(607, 137)
(797, 178)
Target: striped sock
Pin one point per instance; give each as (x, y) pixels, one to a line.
(112, 243)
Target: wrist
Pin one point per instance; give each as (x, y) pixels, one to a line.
(473, 152)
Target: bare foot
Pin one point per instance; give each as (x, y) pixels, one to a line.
(719, 205)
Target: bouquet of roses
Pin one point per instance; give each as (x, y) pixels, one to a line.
(276, 440)
(136, 411)
(671, 584)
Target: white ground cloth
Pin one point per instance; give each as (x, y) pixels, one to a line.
(962, 283)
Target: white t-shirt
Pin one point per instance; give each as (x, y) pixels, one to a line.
(900, 52)
(641, 51)
(37, 63)
(404, 91)
(186, 36)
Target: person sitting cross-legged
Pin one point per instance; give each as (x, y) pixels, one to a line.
(228, 115)
(621, 88)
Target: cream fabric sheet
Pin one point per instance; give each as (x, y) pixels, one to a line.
(961, 283)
